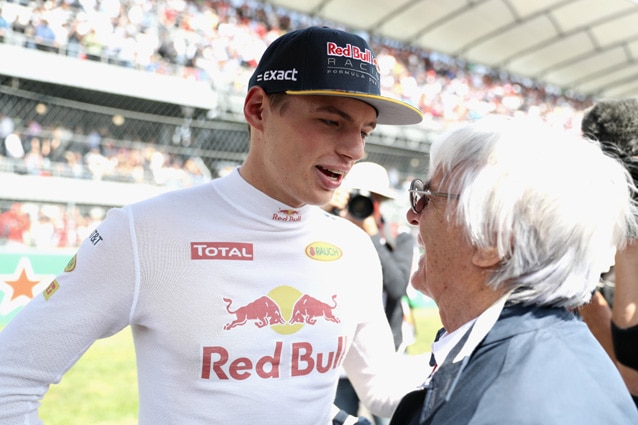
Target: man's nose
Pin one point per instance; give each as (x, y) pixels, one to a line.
(352, 146)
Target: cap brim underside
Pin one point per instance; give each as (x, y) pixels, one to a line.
(390, 111)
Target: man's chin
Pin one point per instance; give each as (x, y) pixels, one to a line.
(418, 283)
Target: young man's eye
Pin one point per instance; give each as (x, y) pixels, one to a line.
(331, 123)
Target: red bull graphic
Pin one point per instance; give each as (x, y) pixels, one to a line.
(263, 311)
(284, 309)
(307, 309)
(217, 363)
(287, 215)
(350, 51)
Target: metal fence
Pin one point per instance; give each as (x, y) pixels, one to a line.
(77, 120)
(68, 119)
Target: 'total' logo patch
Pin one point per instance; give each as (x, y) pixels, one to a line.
(222, 251)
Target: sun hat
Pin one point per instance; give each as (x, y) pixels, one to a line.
(369, 177)
(330, 62)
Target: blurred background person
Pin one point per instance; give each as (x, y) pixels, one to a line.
(612, 315)
(359, 200)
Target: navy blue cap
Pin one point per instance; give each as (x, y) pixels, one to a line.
(329, 62)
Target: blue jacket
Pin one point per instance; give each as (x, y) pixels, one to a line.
(537, 366)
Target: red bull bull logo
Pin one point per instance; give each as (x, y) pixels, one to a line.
(284, 309)
(263, 311)
(307, 309)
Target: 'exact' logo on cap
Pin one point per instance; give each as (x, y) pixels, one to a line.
(278, 75)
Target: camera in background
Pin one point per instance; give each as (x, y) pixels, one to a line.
(360, 204)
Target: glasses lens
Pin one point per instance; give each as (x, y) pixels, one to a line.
(417, 199)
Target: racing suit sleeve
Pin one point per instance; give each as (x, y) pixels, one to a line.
(92, 299)
(380, 375)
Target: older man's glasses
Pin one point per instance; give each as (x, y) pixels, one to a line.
(420, 196)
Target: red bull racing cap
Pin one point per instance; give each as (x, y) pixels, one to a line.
(329, 62)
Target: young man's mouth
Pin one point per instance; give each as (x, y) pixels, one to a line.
(334, 175)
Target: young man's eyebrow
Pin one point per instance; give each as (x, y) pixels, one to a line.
(343, 114)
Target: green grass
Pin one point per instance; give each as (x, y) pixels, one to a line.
(426, 325)
(101, 388)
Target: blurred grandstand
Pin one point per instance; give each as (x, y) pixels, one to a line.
(106, 102)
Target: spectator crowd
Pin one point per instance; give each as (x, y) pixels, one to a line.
(46, 226)
(58, 151)
(219, 42)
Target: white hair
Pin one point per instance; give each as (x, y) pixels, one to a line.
(551, 202)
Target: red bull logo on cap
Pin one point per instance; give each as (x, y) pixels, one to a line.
(350, 51)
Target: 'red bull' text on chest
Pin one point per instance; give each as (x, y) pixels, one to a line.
(295, 359)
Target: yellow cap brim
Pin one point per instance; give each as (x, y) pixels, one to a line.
(389, 111)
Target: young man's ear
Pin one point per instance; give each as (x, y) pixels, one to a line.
(254, 104)
(486, 257)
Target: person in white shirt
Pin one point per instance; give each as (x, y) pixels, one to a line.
(239, 291)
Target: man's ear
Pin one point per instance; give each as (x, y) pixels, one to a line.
(486, 257)
(254, 104)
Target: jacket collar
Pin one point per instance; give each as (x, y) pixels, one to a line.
(510, 320)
